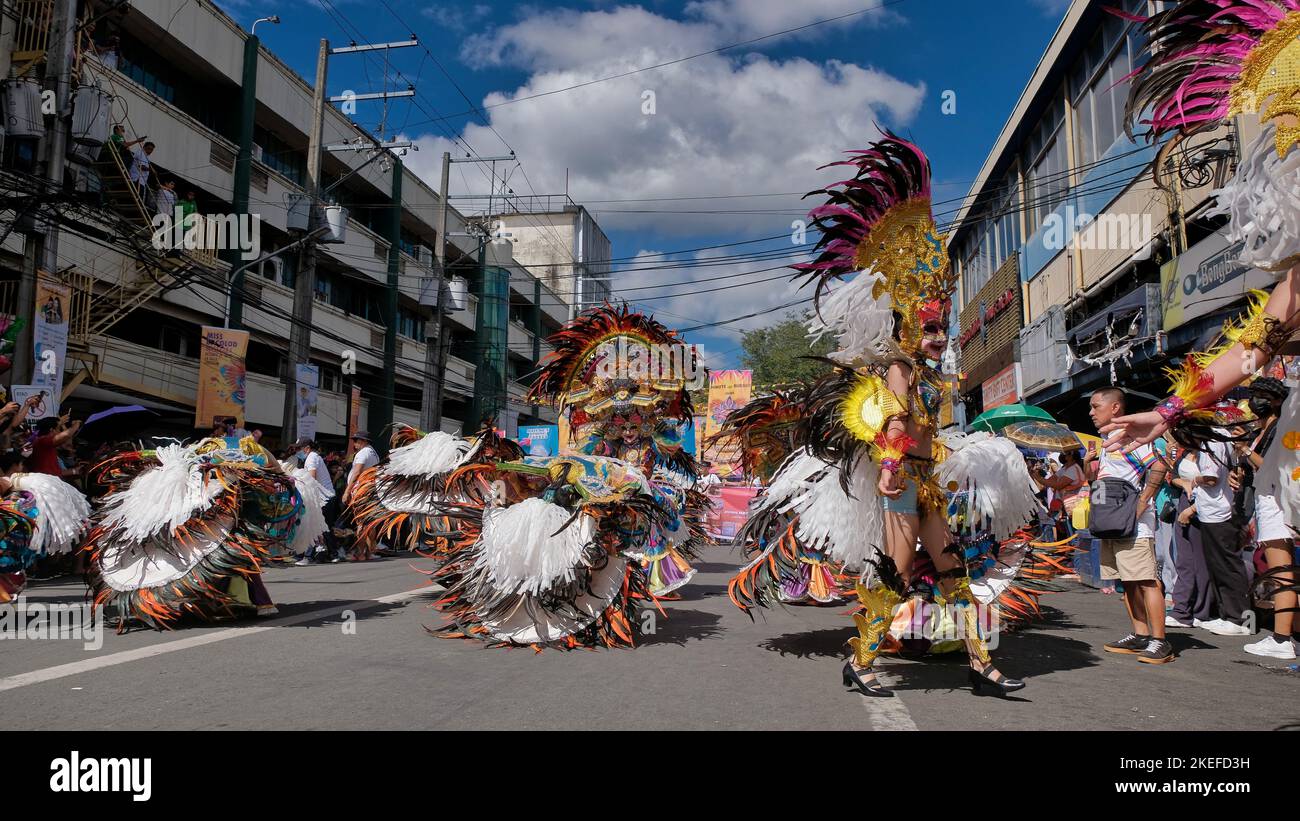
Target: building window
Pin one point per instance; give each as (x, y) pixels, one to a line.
(1099, 89)
(996, 237)
(280, 157)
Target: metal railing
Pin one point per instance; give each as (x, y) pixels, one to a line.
(32, 37)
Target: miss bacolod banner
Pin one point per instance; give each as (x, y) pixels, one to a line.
(221, 376)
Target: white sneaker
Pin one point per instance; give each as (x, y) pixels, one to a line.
(304, 562)
(1219, 627)
(1197, 623)
(1268, 646)
(1170, 621)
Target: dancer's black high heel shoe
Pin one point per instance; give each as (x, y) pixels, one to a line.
(853, 680)
(982, 683)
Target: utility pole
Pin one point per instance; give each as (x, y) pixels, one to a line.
(435, 343)
(44, 246)
(304, 286)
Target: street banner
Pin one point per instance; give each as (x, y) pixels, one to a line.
(539, 440)
(50, 337)
(354, 411)
(44, 409)
(306, 396)
(728, 391)
(730, 510)
(1003, 388)
(1206, 278)
(221, 376)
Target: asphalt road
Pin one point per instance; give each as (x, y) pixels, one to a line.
(349, 651)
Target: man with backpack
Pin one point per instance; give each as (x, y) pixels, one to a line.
(1123, 518)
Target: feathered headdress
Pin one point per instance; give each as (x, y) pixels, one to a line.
(1214, 59)
(613, 362)
(879, 222)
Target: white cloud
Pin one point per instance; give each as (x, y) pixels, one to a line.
(722, 124)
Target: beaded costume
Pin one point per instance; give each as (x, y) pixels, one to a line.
(822, 506)
(186, 529)
(558, 551)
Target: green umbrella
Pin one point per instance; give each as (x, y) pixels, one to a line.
(998, 418)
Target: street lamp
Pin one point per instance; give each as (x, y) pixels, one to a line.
(274, 18)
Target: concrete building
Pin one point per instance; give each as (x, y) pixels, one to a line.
(176, 75)
(1071, 259)
(560, 242)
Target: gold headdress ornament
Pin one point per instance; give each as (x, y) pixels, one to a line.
(880, 221)
(1214, 59)
(611, 362)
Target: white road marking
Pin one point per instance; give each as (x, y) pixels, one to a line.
(112, 659)
(888, 713)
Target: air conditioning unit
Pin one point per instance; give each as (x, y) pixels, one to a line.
(22, 108)
(273, 269)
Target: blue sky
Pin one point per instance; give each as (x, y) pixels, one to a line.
(757, 119)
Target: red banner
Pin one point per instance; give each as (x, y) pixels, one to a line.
(730, 510)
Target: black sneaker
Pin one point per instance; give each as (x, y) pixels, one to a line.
(1131, 643)
(1158, 651)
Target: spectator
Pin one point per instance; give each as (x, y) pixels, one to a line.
(366, 457)
(141, 167)
(167, 199)
(315, 465)
(119, 143)
(218, 429)
(51, 434)
(1212, 498)
(1131, 559)
(1195, 602)
(189, 207)
(12, 417)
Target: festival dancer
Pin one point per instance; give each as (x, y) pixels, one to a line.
(868, 475)
(1212, 60)
(186, 529)
(558, 551)
(56, 516)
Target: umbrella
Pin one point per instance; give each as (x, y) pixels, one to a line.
(95, 417)
(998, 418)
(1052, 436)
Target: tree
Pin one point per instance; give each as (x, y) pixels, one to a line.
(776, 353)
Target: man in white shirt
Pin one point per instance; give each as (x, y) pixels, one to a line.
(1132, 560)
(366, 457)
(140, 168)
(315, 465)
(1221, 537)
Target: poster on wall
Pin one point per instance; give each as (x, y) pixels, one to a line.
(307, 398)
(50, 336)
(44, 407)
(539, 440)
(221, 376)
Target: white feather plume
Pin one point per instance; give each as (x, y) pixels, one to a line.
(62, 512)
(861, 324)
(520, 552)
(995, 474)
(312, 525)
(847, 527)
(1263, 203)
(430, 455)
(162, 497)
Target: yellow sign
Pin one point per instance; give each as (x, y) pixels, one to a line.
(221, 376)
(728, 391)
